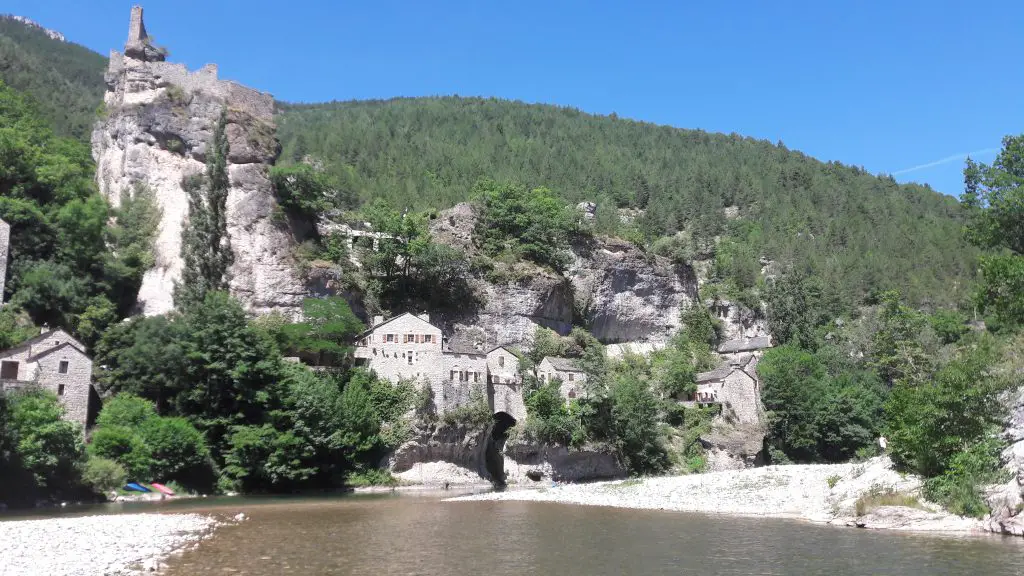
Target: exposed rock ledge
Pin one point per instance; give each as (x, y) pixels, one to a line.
(798, 491)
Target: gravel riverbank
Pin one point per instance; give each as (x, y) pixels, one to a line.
(825, 493)
(109, 545)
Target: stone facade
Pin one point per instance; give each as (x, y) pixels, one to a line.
(409, 347)
(159, 120)
(734, 384)
(572, 379)
(56, 362)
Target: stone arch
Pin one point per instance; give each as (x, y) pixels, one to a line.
(497, 435)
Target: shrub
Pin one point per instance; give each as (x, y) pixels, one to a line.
(880, 496)
(103, 474)
(473, 414)
(124, 445)
(371, 477)
(833, 480)
(177, 451)
(125, 410)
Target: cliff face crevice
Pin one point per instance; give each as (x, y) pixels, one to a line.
(159, 119)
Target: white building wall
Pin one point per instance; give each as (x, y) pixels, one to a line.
(403, 358)
(76, 381)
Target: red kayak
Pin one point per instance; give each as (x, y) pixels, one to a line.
(162, 489)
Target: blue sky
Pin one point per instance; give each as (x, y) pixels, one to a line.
(903, 87)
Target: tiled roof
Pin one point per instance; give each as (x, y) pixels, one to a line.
(745, 345)
(717, 374)
(37, 339)
(389, 320)
(54, 349)
(562, 364)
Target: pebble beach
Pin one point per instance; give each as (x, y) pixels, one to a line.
(109, 545)
(823, 493)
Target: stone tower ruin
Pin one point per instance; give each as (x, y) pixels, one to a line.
(159, 120)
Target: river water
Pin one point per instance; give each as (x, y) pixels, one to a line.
(423, 535)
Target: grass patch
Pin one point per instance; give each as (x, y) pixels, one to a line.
(880, 496)
(833, 480)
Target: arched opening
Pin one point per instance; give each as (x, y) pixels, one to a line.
(494, 460)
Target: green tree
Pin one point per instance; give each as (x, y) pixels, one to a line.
(231, 368)
(205, 244)
(143, 356)
(994, 196)
(634, 415)
(41, 454)
(530, 222)
(327, 330)
(791, 390)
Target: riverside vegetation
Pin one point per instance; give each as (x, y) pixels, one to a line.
(869, 293)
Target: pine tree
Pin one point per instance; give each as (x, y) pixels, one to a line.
(205, 244)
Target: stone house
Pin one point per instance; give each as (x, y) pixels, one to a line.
(409, 347)
(734, 383)
(571, 376)
(56, 362)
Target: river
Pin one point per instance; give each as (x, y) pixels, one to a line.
(419, 534)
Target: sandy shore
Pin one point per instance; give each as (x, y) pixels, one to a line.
(798, 491)
(95, 545)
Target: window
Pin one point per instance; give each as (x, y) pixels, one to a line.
(571, 376)
(63, 368)
(501, 361)
(409, 356)
(572, 393)
(451, 375)
(389, 338)
(8, 370)
(476, 377)
(60, 390)
(428, 338)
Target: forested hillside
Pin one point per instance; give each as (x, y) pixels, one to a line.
(826, 219)
(64, 79)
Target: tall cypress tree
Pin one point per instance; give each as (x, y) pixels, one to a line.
(205, 245)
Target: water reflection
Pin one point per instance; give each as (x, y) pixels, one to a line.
(419, 534)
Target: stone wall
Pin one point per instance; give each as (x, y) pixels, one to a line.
(77, 381)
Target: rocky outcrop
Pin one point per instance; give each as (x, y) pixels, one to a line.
(437, 455)
(159, 119)
(528, 463)
(1006, 501)
(626, 295)
(618, 291)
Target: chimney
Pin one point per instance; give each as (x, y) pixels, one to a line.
(378, 320)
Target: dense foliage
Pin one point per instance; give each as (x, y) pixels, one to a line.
(833, 221)
(40, 455)
(64, 78)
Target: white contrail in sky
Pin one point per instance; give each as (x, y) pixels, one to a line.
(945, 160)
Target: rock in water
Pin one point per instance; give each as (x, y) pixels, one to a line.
(159, 119)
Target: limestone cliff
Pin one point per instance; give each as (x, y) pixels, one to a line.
(159, 118)
(612, 287)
